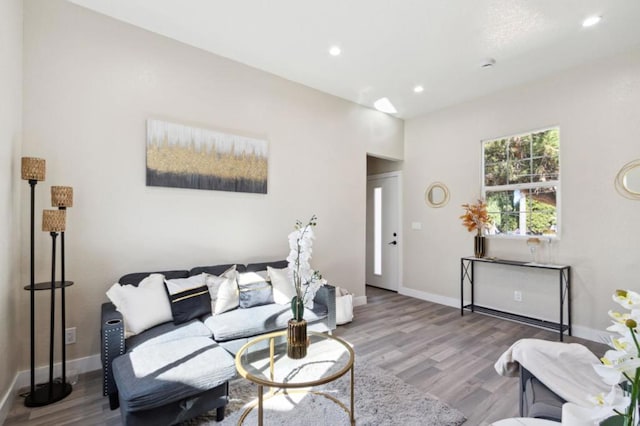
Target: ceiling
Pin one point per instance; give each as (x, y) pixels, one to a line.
(390, 46)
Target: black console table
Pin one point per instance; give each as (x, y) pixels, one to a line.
(564, 275)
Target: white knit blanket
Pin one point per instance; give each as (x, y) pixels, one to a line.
(565, 368)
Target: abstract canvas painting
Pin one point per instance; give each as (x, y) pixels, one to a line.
(182, 156)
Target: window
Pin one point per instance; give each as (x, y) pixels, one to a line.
(520, 182)
(377, 231)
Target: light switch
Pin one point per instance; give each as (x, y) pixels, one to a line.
(416, 225)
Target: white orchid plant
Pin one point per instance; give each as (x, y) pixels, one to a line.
(306, 280)
(620, 366)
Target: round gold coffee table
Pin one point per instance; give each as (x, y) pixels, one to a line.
(264, 361)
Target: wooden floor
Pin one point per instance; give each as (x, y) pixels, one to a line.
(425, 344)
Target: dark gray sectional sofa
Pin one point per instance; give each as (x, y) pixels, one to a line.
(171, 373)
(537, 400)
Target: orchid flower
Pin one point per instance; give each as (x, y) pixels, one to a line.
(614, 401)
(627, 299)
(306, 280)
(622, 363)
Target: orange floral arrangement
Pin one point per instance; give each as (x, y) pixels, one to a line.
(476, 217)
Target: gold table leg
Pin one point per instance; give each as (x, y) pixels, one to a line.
(353, 417)
(259, 405)
(272, 390)
(272, 351)
(286, 392)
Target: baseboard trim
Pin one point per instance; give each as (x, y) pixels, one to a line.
(580, 331)
(7, 400)
(430, 297)
(74, 367)
(23, 378)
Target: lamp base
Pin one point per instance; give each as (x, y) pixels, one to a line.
(42, 396)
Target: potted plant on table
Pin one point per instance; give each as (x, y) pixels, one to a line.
(306, 282)
(476, 218)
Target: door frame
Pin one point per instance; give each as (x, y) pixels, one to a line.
(398, 175)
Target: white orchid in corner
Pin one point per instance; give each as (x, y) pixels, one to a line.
(613, 402)
(621, 364)
(306, 280)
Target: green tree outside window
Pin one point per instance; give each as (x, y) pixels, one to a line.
(521, 177)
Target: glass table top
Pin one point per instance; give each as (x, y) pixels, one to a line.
(264, 361)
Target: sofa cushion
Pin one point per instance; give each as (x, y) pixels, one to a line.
(283, 287)
(189, 298)
(167, 332)
(254, 289)
(541, 402)
(154, 375)
(255, 267)
(135, 278)
(257, 320)
(223, 291)
(255, 294)
(215, 269)
(252, 277)
(142, 306)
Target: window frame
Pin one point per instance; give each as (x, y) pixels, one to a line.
(525, 186)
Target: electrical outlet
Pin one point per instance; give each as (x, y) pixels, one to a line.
(70, 336)
(517, 296)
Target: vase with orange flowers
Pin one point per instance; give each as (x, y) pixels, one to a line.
(476, 218)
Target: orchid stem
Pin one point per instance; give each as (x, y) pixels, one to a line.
(630, 418)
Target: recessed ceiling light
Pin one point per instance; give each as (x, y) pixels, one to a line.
(591, 21)
(385, 105)
(418, 89)
(334, 51)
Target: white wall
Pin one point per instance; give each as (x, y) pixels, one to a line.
(90, 84)
(10, 224)
(380, 165)
(382, 130)
(596, 107)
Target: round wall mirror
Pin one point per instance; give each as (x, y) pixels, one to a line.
(631, 180)
(628, 180)
(437, 195)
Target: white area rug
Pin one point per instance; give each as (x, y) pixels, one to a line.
(380, 399)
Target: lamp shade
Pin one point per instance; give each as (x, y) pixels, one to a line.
(61, 196)
(33, 168)
(54, 220)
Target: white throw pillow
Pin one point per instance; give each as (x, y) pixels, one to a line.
(223, 291)
(283, 288)
(142, 307)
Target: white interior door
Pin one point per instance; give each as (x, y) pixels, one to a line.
(383, 231)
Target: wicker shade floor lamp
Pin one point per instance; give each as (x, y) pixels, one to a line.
(53, 221)
(33, 170)
(62, 197)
